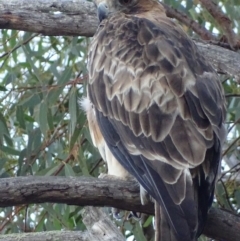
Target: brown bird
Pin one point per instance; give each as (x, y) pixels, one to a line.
(115, 169)
(158, 108)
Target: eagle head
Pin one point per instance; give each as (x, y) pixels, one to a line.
(105, 8)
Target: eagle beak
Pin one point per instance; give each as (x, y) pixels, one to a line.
(102, 11)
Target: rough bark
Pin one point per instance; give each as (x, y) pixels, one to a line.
(100, 226)
(49, 17)
(78, 18)
(228, 225)
(45, 236)
(82, 191)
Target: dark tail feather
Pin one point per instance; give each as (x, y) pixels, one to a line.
(163, 232)
(157, 221)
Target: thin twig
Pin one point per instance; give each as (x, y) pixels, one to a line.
(229, 171)
(70, 157)
(96, 165)
(232, 95)
(227, 196)
(8, 53)
(230, 146)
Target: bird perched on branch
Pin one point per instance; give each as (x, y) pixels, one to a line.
(159, 109)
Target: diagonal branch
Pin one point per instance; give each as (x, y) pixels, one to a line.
(84, 191)
(224, 22)
(183, 18)
(224, 61)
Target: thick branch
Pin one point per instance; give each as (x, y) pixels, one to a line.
(49, 17)
(99, 192)
(223, 60)
(226, 228)
(45, 236)
(73, 191)
(78, 18)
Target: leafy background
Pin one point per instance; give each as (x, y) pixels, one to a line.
(43, 131)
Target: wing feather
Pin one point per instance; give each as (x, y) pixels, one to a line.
(160, 108)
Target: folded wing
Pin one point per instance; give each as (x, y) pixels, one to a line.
(160, 108)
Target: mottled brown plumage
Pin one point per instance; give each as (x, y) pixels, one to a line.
(160, 108)
(114, 167)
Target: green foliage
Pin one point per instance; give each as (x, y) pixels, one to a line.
(194, 10)
(43, 131)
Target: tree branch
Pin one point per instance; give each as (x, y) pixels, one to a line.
(99, 228)
(222, 225)
(49, 17)
(224, 61)
(224, 22)
(78, 18)
(46, 236)
(73, 191)
(83, 191)
(183, 18)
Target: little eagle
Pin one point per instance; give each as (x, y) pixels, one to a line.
(156, 110)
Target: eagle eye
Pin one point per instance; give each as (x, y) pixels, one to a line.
(125, 2)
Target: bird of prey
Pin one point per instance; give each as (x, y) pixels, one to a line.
(157, 108)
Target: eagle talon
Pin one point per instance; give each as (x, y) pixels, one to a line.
(134, 215)
(117, 213)
(110, 177)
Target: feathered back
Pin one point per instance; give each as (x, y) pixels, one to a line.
(160, 107)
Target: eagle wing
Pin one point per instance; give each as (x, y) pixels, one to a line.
(113, 166)
(160, 108)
